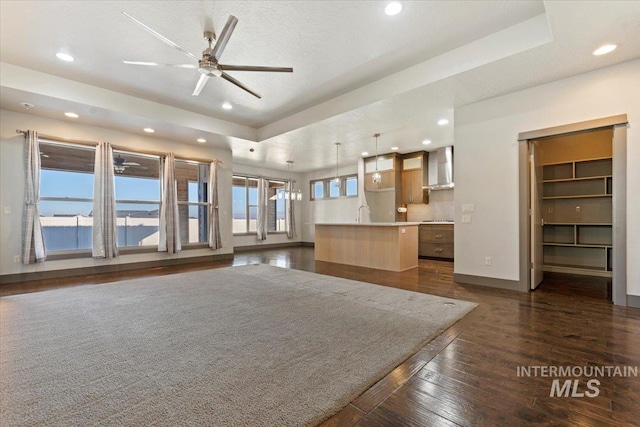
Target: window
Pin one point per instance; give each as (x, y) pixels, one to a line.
(327, 188)
(137, 185)
(193, 207)
(351, 187)
(245, 205)
(317, 188)
(66, 196)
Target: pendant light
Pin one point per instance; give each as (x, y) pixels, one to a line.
(337, 181)
(377, 178)
(292, 194)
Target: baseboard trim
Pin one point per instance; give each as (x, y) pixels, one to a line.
(309, 244)
(491, 282)
(266, 246)
(633, 301)
(101, 269)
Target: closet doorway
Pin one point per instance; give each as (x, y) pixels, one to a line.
(575, 208)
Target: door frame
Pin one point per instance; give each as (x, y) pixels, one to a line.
(619, 124)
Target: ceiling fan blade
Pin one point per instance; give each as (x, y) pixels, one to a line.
(200, 84)
(161, 37)
(155, 64)
(228, 78)
(255, 68)
(222, 41)
(130, 164)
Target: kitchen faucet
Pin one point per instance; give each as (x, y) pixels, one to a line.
(359, 219)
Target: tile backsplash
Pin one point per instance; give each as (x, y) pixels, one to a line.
(440, 206)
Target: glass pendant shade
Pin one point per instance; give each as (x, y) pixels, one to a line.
(337, 179)
(377, 178)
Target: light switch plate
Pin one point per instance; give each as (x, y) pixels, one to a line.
(468, 208)
(7, 210)
(466, 219)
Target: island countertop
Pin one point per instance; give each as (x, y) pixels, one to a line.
(382, 245)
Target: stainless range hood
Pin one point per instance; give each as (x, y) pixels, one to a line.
(443, 163)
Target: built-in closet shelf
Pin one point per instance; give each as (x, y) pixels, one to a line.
(577, 213)
(577, 245)
(576, 179)
(577, 197)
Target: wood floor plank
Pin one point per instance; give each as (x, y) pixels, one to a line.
(467, 376)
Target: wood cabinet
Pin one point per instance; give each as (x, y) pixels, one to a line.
(387, 166)
(435, 241)
(388, 181)
(577, 214)
(414, 178)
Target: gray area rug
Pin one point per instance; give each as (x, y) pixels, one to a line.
(238, 346)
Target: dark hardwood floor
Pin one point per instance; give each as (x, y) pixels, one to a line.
(467, 376)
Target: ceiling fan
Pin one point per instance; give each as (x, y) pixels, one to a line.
(208, 65)
(120, 164)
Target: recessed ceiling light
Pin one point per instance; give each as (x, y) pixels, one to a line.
(148, 130)
(393, 8)
(72, 115)
(202, 140)
(443, 122)
(602, 50)
(426, 142)
(394, 148)
(365, 153)
(65, 56)
(227, 106)
(26, 105)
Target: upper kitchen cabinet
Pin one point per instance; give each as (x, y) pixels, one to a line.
(415, 175)
(388, 165)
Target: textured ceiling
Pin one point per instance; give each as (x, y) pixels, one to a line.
(356, 70)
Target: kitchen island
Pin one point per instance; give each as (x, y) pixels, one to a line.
(383, 245)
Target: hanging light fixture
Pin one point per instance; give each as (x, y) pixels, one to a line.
(337, 181)
(377, 178)
(292, 194)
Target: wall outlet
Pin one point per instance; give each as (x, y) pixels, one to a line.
(466, 219)
(468, 208)
(488, 260)
(7, 210)
(403, 230)
(16, 259)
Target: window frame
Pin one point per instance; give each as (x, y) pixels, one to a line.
(158, 203)
(248, 206)
(205, 195)
(326, 186)
(65, 253)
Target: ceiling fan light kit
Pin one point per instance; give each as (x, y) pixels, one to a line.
(208, 65)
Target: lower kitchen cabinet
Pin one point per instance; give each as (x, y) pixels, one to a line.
(435, 241)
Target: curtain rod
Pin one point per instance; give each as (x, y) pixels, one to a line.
(116, 147)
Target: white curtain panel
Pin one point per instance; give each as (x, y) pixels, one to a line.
(290, 212)
(215, 241)
(263, 209)
(169, 232)
(33, 249)
(105, 227)
(363, 215)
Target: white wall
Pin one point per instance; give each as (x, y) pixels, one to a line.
(327, 210)
(273, 238)
(486, 166)
(12, 187)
